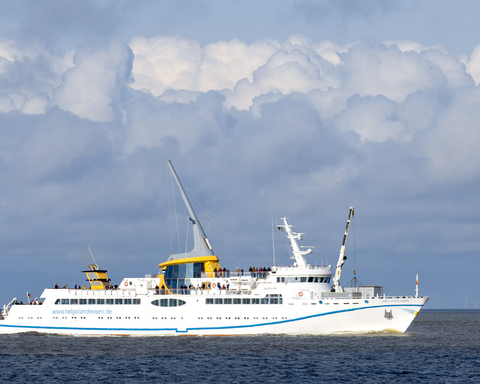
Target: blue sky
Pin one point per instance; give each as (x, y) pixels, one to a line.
(266, 108)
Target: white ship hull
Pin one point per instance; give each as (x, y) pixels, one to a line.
(293, 317)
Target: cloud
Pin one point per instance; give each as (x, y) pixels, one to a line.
(473, 64)
(256, 130)
(30, 70)
(96, 82)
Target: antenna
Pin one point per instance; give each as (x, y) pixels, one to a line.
(91, 253)
(273, 243)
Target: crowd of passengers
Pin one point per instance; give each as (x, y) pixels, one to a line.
(184, 290)
(252, 271)
(84, 286)
(33, 302)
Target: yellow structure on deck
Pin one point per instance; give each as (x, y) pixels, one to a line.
(98, 278)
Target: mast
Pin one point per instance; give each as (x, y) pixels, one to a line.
(293, 237)
(201, 245)
(342, 257)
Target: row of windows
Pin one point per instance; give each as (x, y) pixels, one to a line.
(182, 271)
(303, 279)
(168, 303)
(98, 301)
(265, 300)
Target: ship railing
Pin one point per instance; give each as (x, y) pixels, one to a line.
(6, 308)
(290, 267)
(200, 292)
(362, 295)
(102, 292)
(227, 275)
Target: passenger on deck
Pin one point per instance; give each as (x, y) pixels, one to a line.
(224, 287)
(84, 287)
(56, 285)
(238, 271)
(162, 291)
(215, 272)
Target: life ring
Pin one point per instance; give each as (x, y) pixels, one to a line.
(300, 294)
(214, 285)
(126, 283)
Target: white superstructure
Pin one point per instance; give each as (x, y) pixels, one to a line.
(193, 295)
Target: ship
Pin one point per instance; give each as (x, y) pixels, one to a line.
(193, 295)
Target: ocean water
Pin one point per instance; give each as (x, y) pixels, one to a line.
(439, 347)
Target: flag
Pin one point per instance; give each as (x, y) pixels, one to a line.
(29, 296)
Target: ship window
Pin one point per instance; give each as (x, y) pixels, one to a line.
(119, 301)
(218, 301)
(57, 301)
(136, 301)
(91, 301)
(109, 301)
(303, 279)
(255, 301)
(246, 301)
(127, 301)
(326, 279)
(311, 279)
(100, 301)
(322, 280)
(181, 271)
(167, 302)
(198, 268)
(264, 300)
(208, 301)
(189, 270)
(83, 301)
(273, 300)
(227, 301)
(73, 301)
(237, 301)
(64, 301)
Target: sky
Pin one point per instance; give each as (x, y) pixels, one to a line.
(266, 108)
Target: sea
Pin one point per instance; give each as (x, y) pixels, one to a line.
(441, 346)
